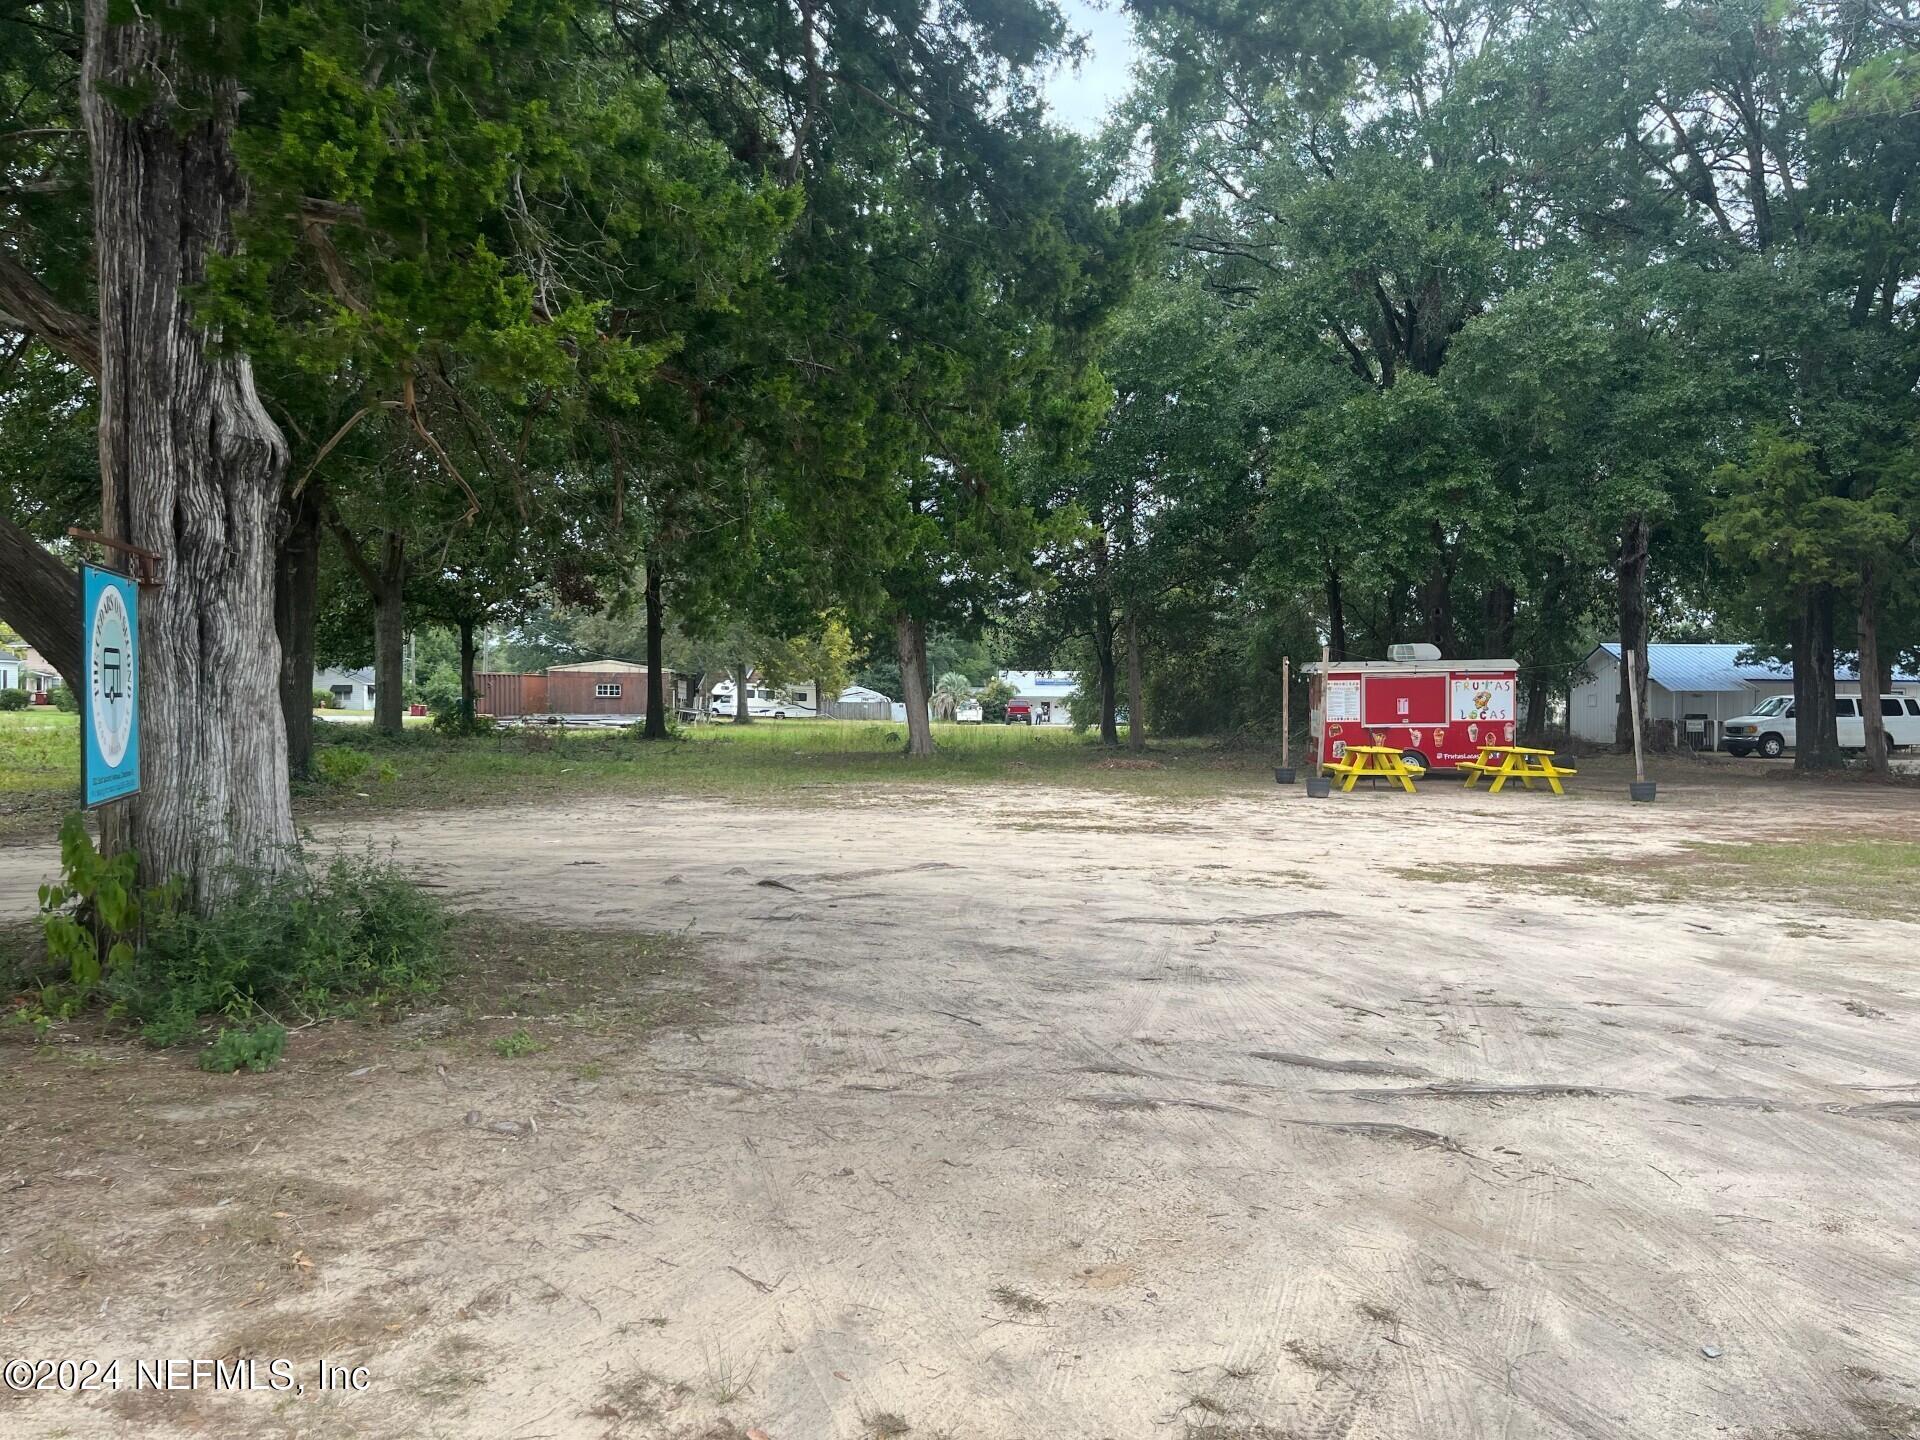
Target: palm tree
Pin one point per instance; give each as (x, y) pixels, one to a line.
(953, 687)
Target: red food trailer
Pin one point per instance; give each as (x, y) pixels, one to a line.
(1438, 711)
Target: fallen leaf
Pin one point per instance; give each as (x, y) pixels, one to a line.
(842, 1375)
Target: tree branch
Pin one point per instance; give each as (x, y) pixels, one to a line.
(26, 304)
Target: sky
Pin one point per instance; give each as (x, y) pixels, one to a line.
(1081, 100)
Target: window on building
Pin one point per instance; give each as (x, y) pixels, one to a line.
(607, 691)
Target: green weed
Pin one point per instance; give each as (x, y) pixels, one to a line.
(256, 1048)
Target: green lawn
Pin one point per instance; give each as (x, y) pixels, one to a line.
(360, 771)
(770, 757)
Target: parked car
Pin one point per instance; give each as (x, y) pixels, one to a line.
(1769, 729)
(1019, 712)
(762, 704)
(967, 712)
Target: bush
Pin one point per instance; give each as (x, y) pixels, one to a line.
(346, 940)
(65, 699)
(341, 765)
(323, 699)
(257, 1049)
(452, 717)
(13, 699)
(352, 937)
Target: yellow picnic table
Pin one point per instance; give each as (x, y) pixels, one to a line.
(1525, 763)
(1385, 762)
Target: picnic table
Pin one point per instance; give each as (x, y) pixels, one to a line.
(1525, 763)
(1376, 762)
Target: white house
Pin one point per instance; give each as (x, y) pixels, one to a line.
(1706, 685)
(351, 689)
(25, 669)
(1046, 692)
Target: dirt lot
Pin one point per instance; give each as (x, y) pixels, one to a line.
(1006, 1114)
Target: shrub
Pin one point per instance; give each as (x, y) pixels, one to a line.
(345, 940)
(65, 699)
(341, 765)
(13, 699)
(255, 1048)
(323, 699)
(451, 717)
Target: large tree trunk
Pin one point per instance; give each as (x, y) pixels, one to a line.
(656, 655)
(190, 465)
(40, 598)
(296, 598)
(469, 687)
(910, 644)
(742, 713)
(1815, 728)
(1871, 719)
(1499, 620)
(390, 637)
(1103, 641)
(1536, 704)
(1136, 687)
(1630, 581)
(1336, 614)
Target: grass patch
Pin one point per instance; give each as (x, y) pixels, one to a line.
(1867, 878)
(516, 1043)
(768, 759)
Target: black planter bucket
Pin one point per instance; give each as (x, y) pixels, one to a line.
(1319, 787)
(1641, 790)
(1283, 775)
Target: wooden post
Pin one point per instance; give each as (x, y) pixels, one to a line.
(1633, 702)
(1286, 709)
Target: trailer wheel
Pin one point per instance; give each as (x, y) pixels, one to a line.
(1772, 746)
(1414, 760)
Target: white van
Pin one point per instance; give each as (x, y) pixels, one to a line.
(1769, 729)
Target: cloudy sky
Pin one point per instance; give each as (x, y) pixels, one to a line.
(1081, 99)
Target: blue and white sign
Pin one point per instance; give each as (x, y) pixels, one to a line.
(110, 716)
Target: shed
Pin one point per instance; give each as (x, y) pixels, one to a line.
(1706, 682)
(583, 688)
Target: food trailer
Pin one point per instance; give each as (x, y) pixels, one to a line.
(1439, 712)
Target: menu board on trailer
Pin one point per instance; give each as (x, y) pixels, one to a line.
(1483, 698)
(1343, 701)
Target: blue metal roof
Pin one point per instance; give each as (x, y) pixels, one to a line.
(1703, 669)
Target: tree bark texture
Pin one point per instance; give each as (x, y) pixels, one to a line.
(1103, 641)
(40, 598)
(656, 655)
(296, 598)
(1630, 583)
(742, 712)
(1871, 719)
(390, 636)
(191, 467)
(469, 687)
(1136, 687)
(1816, 744)
(910, 644)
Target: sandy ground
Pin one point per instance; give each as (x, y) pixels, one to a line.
(1030, 1113)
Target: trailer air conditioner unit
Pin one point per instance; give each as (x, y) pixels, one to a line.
(1418, 651)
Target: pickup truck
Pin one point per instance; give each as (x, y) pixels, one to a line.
(1019, 712)
(1769, 729)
